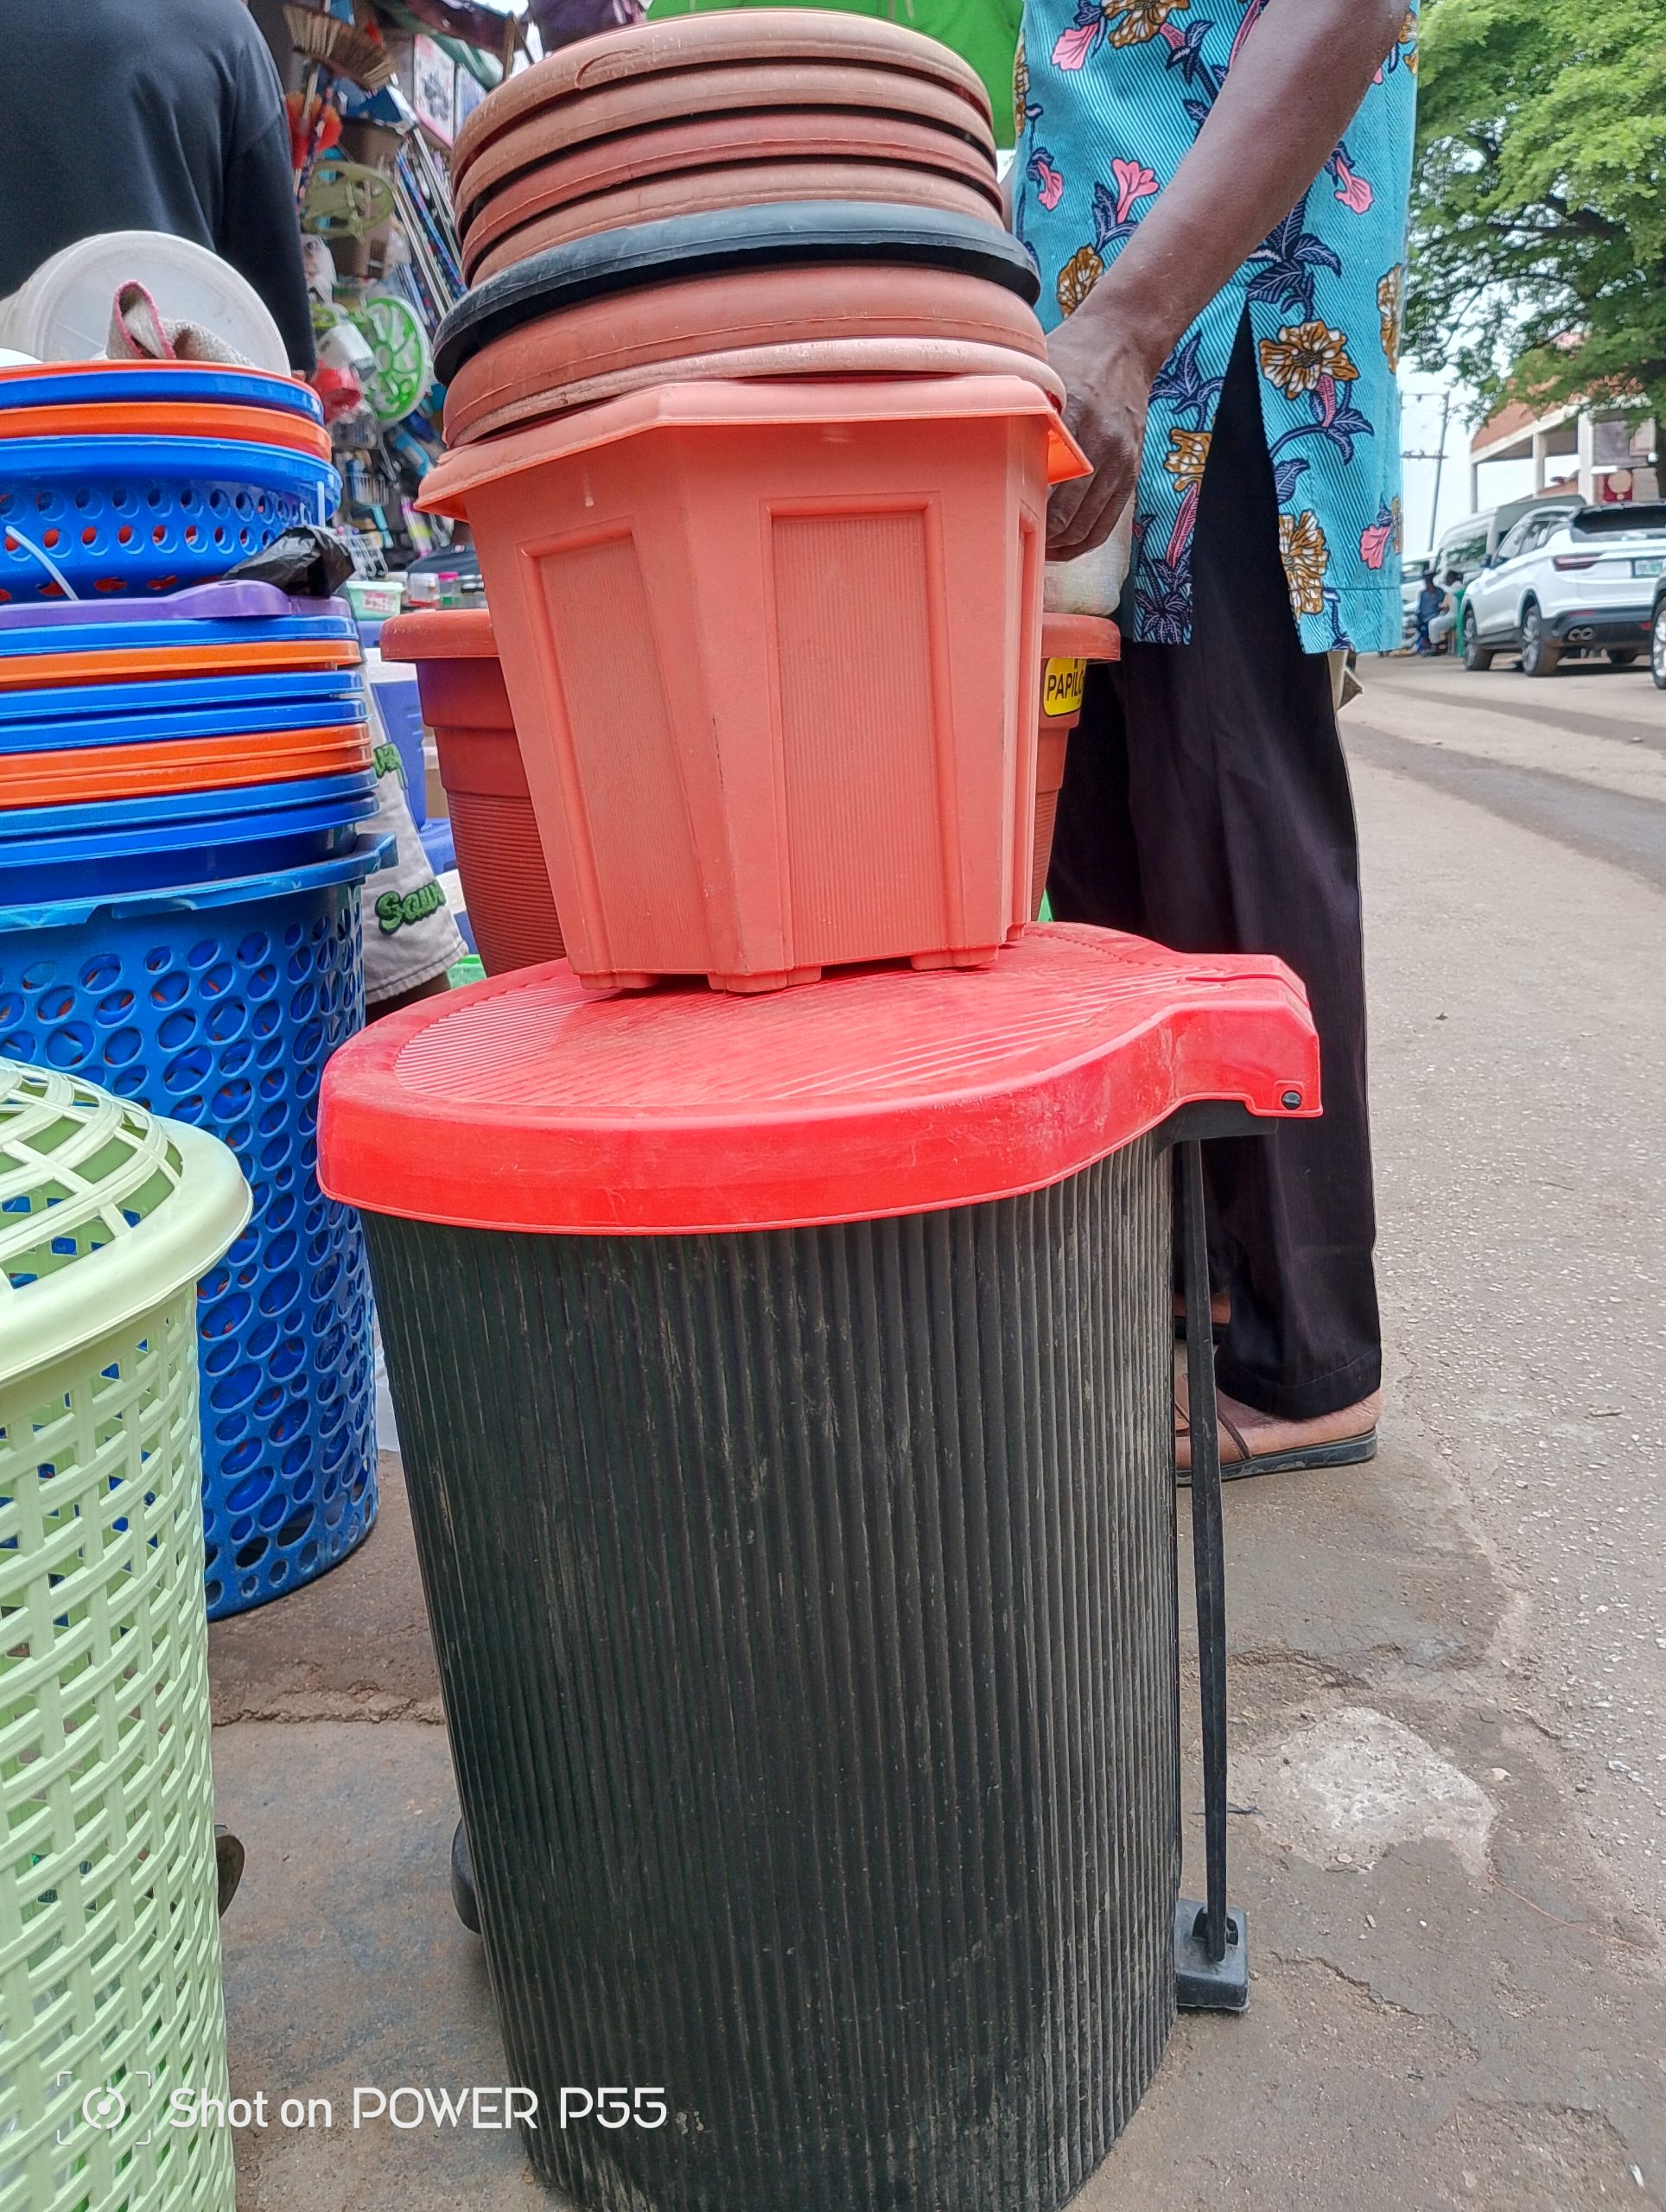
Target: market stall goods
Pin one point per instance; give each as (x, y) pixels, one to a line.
(63, 313)
(757, 753)
(119, 772)
(176, 837)
(108, 1218)
(133, 478)
(183, 785)
(505, 879)
(196, 384)
(839, 359)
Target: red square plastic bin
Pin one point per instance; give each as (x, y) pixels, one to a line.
(774, 656)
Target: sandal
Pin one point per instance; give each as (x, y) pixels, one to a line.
(1287, 1451)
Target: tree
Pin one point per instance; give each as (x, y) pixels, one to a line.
(1539, 200)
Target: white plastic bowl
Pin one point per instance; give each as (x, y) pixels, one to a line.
(62, 314)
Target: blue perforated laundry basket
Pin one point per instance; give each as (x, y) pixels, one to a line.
(219, 1005)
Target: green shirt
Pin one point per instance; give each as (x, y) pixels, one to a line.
(982, 32)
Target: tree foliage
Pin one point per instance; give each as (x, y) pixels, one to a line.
(1539, 202)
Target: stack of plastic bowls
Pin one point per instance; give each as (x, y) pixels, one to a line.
(759, 488)
(686, 117)
(135, 477)
(96, 799)
(183, 783)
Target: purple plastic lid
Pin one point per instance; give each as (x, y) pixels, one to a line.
(231, 600)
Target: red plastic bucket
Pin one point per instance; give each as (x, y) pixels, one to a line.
(512, 909)
(757, 752)
(1069, 642)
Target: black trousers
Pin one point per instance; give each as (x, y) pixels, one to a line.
(1206, 804)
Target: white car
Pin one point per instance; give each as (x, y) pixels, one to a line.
(1562, 584)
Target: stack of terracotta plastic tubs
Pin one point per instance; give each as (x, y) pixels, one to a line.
(758, 490)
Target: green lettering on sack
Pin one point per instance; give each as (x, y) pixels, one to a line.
(396, 911)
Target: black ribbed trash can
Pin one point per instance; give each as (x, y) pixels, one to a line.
(785, 1397)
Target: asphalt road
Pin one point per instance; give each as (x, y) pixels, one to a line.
(1448, 1667)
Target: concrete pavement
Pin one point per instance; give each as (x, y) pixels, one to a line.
(1449, 1668)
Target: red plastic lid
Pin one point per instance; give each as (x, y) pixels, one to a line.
(439, 633)
(526, 1103)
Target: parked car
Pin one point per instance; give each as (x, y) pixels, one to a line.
(1657, 636)
(1562, 584)
(1466, 547)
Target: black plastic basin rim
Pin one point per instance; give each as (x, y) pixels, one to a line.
(781, 234)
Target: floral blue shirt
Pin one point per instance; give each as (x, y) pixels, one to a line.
(1110, 96)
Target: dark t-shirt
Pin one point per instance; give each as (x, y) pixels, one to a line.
(148, 115)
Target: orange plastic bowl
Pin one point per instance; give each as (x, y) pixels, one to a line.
(747, 184)
(757, 307)
(95, 771)
(261, 426)
(739, 89)
(671, 49)
(753, 138)
(836, 358)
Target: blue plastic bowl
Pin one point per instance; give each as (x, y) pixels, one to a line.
(254, 690)
(213, 386)
(18, 643)
(219, 1004)
(147, 514)
(91, 731)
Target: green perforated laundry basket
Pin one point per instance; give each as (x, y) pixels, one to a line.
(110, 1992)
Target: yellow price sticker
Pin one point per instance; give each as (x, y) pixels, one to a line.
(1063, 685)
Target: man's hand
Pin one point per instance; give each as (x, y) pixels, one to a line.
(1108, 377)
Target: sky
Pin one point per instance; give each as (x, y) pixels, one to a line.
(1421, 396)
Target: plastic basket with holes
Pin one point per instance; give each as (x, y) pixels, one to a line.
(108, 1943)
(219, 1005)
(109, 515)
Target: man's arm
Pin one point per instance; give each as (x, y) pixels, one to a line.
(1287, 99)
